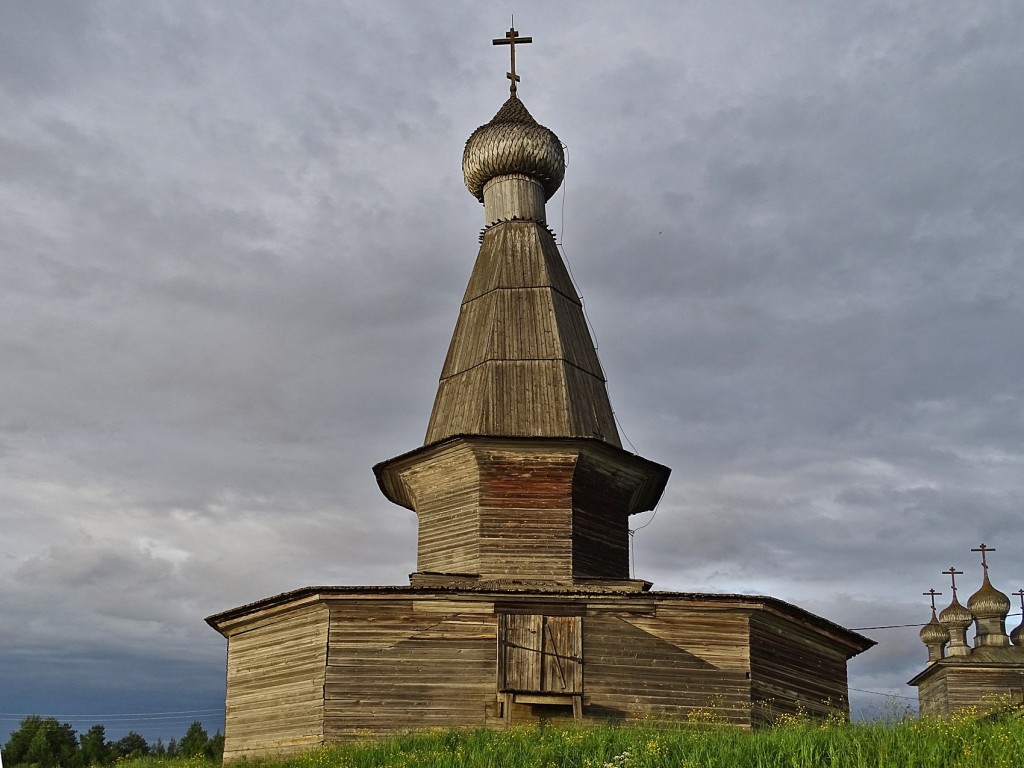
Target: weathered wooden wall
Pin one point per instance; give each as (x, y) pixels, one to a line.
(669, 664)
(932, 697)
(955, 687)
(397, 665)
(793, 669)
(336, 665)
(505, 509)
(447, 494)
(526, 514)
(540, 654)
(275, 683)
(603, 497)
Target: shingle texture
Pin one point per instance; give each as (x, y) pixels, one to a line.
(521, 360)
(513, 142)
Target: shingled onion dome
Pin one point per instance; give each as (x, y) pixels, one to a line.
(957, 619)
(513, 143)
(935, 636)
(990, 607)
(988, 602)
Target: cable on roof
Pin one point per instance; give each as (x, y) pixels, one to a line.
(559, 243)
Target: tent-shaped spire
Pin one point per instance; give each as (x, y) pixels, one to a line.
(521, 361)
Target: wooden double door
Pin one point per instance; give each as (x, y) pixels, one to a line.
(540, 658)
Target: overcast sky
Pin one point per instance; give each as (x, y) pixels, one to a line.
(233, 241)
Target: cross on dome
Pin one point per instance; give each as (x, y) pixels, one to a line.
(510, 39)
(983, 549)
(953, 573)
(933, 594)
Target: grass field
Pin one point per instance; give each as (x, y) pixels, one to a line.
(962, 742)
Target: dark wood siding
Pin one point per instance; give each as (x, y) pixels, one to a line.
(793, 670)
(602, 498)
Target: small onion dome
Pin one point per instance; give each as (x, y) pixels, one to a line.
(1017, 636)
(934, 633)
(513, 142)
(988, 602)
(956, 616)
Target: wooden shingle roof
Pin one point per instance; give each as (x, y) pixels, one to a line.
(521, 361)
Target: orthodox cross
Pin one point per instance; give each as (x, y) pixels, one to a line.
(953, 573)
(510, 39)
(983, 549)
(1020, 594)
(933, 594)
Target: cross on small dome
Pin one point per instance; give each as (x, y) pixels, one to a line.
(510, 39)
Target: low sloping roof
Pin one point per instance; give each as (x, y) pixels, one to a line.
(985, 656)
(855, 642)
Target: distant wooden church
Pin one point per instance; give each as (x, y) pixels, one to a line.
(959, 675)
(522, 607)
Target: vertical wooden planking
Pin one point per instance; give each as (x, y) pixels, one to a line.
(562, 655)
(521, 360)
(513, 195)
(520, 638)
(518, 254)
(540, 654)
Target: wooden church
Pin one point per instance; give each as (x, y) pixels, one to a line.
(961, 675)
(522, 608)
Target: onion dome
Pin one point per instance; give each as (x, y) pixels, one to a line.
(934, 633)
(513, 143)
(955, 616)
(988, 602)
(957, 619)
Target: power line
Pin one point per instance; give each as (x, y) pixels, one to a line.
(889, 695)
(177, 714)
(900, 626)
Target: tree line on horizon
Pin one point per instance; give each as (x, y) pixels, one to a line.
(43, 742)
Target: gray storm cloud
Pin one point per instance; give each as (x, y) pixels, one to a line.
(234, 240)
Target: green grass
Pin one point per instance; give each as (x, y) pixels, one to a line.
(961, 742)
